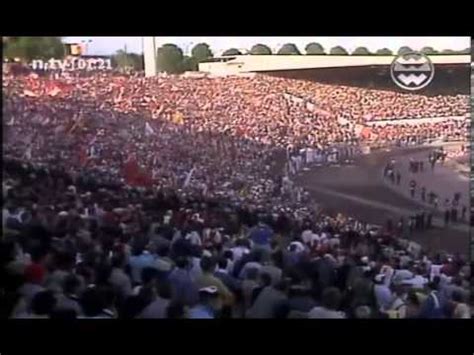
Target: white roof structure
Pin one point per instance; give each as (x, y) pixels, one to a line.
(255, 63)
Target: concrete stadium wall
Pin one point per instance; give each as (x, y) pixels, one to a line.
(261, 63)
(449, 79)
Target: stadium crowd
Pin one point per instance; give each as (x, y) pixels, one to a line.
(127, 197)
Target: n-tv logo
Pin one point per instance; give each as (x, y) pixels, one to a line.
(412, 71)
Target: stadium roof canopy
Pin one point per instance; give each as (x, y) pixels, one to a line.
(265, 63)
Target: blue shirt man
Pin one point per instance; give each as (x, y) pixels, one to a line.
(183, 287)
(138, 263)
(261, 235)
(201, 312)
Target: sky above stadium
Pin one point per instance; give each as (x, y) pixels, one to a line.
(109, 45)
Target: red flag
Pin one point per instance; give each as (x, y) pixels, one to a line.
(144, 178)
(83, 156)
(130, 171)
(366, 132)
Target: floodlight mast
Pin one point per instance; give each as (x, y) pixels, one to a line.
(149, 53)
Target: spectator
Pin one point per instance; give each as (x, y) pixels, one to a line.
(97, 303)
(207, 279)
(69, 298)
(228, 280)
(272, 267)
(160, 301)
(183, 287)
(140, 259)
(249, 285)
(270, 301)
(433, 306)
(208, 306)
(331, 299)
(118, 278)
(300, 299)
(176, 311)
(461, 308)
(83, 184)
(363, 312)
(383, 295)
(42, 306)
(34, 279)
(398, 306)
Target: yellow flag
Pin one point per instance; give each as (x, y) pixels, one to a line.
(178, 118)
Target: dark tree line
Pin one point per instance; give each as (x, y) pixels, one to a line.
(29, 48)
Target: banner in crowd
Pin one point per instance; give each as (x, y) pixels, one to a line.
(178, 118)
(148, 129)
(136, 176)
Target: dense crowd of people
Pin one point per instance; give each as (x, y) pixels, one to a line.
(100, 252)
(129, 197)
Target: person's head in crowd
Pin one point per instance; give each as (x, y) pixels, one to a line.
(363, 312)
(265, 279)
(399, 289)
(222, 263)
(149, 275)
(458, 297)
(40, 255)
(229, 255)
(182, 262)
(43, 303)
(138, 249)
(331, 298)
(209, 296)
(64, 261)
(242, 242)
(252, 274)
(118, 261)
(208, 265)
